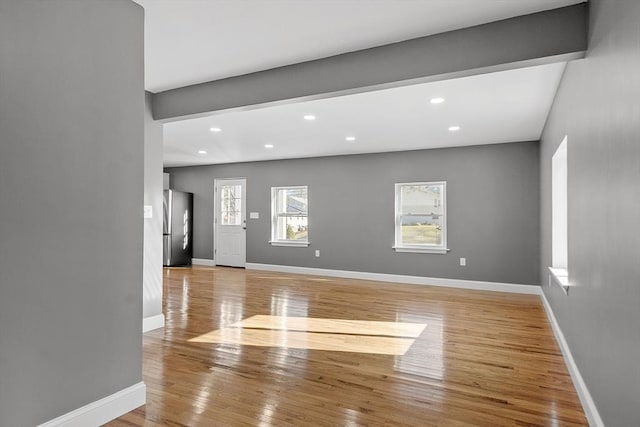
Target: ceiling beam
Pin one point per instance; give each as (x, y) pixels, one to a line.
(539, 38)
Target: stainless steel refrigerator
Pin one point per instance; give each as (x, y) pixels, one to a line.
(178, 228)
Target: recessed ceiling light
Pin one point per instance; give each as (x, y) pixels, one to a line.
(437, 100)
(454, 128)
(309, 117)
(202, 152)
(214, 129)
(268, 145)
(350, 138)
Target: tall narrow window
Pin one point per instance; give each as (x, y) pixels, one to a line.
(421, 217)
(559, 214)
(289, 216)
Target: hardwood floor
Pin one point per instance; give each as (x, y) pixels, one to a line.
(483, 358)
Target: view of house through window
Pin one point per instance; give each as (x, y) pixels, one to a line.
(421, 216)
(290, 214)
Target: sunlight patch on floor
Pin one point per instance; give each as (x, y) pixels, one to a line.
(357, 336)
(339, 326)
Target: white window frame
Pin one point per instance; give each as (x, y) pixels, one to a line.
(559, 217)
(274, 218)
(420, 248)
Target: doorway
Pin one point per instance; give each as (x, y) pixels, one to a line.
(230, 222)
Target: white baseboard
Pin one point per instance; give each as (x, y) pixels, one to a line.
(399, 278)
(589, 406)
(104, 410)
(203, 261)
(152, 322)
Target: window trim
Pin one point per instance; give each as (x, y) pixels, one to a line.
(420, 248)
(274, 218)
(291, 243)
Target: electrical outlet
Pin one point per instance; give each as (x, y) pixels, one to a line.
(463, 261)
(317, 252)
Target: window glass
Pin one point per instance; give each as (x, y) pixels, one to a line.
(421, 215)
(559, 207)
(290, 214)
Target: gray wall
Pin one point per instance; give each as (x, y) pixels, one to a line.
(597, 106)
(493, 210)
(71, 147)
(153, 187)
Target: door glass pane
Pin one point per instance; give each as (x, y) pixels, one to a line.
(231, 204)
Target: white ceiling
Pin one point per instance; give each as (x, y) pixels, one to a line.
(492, 108)
(193, 41)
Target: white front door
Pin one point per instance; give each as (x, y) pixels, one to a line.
(230, 222)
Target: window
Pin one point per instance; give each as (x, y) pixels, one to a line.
(289, 216)
(559, 215)
(421, 217)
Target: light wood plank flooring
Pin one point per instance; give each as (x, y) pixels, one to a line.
(483, 358)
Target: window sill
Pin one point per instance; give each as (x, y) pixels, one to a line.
(421, 250)
(290, 244)
(561, 277)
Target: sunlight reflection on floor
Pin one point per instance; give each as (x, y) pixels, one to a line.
(358, 336)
